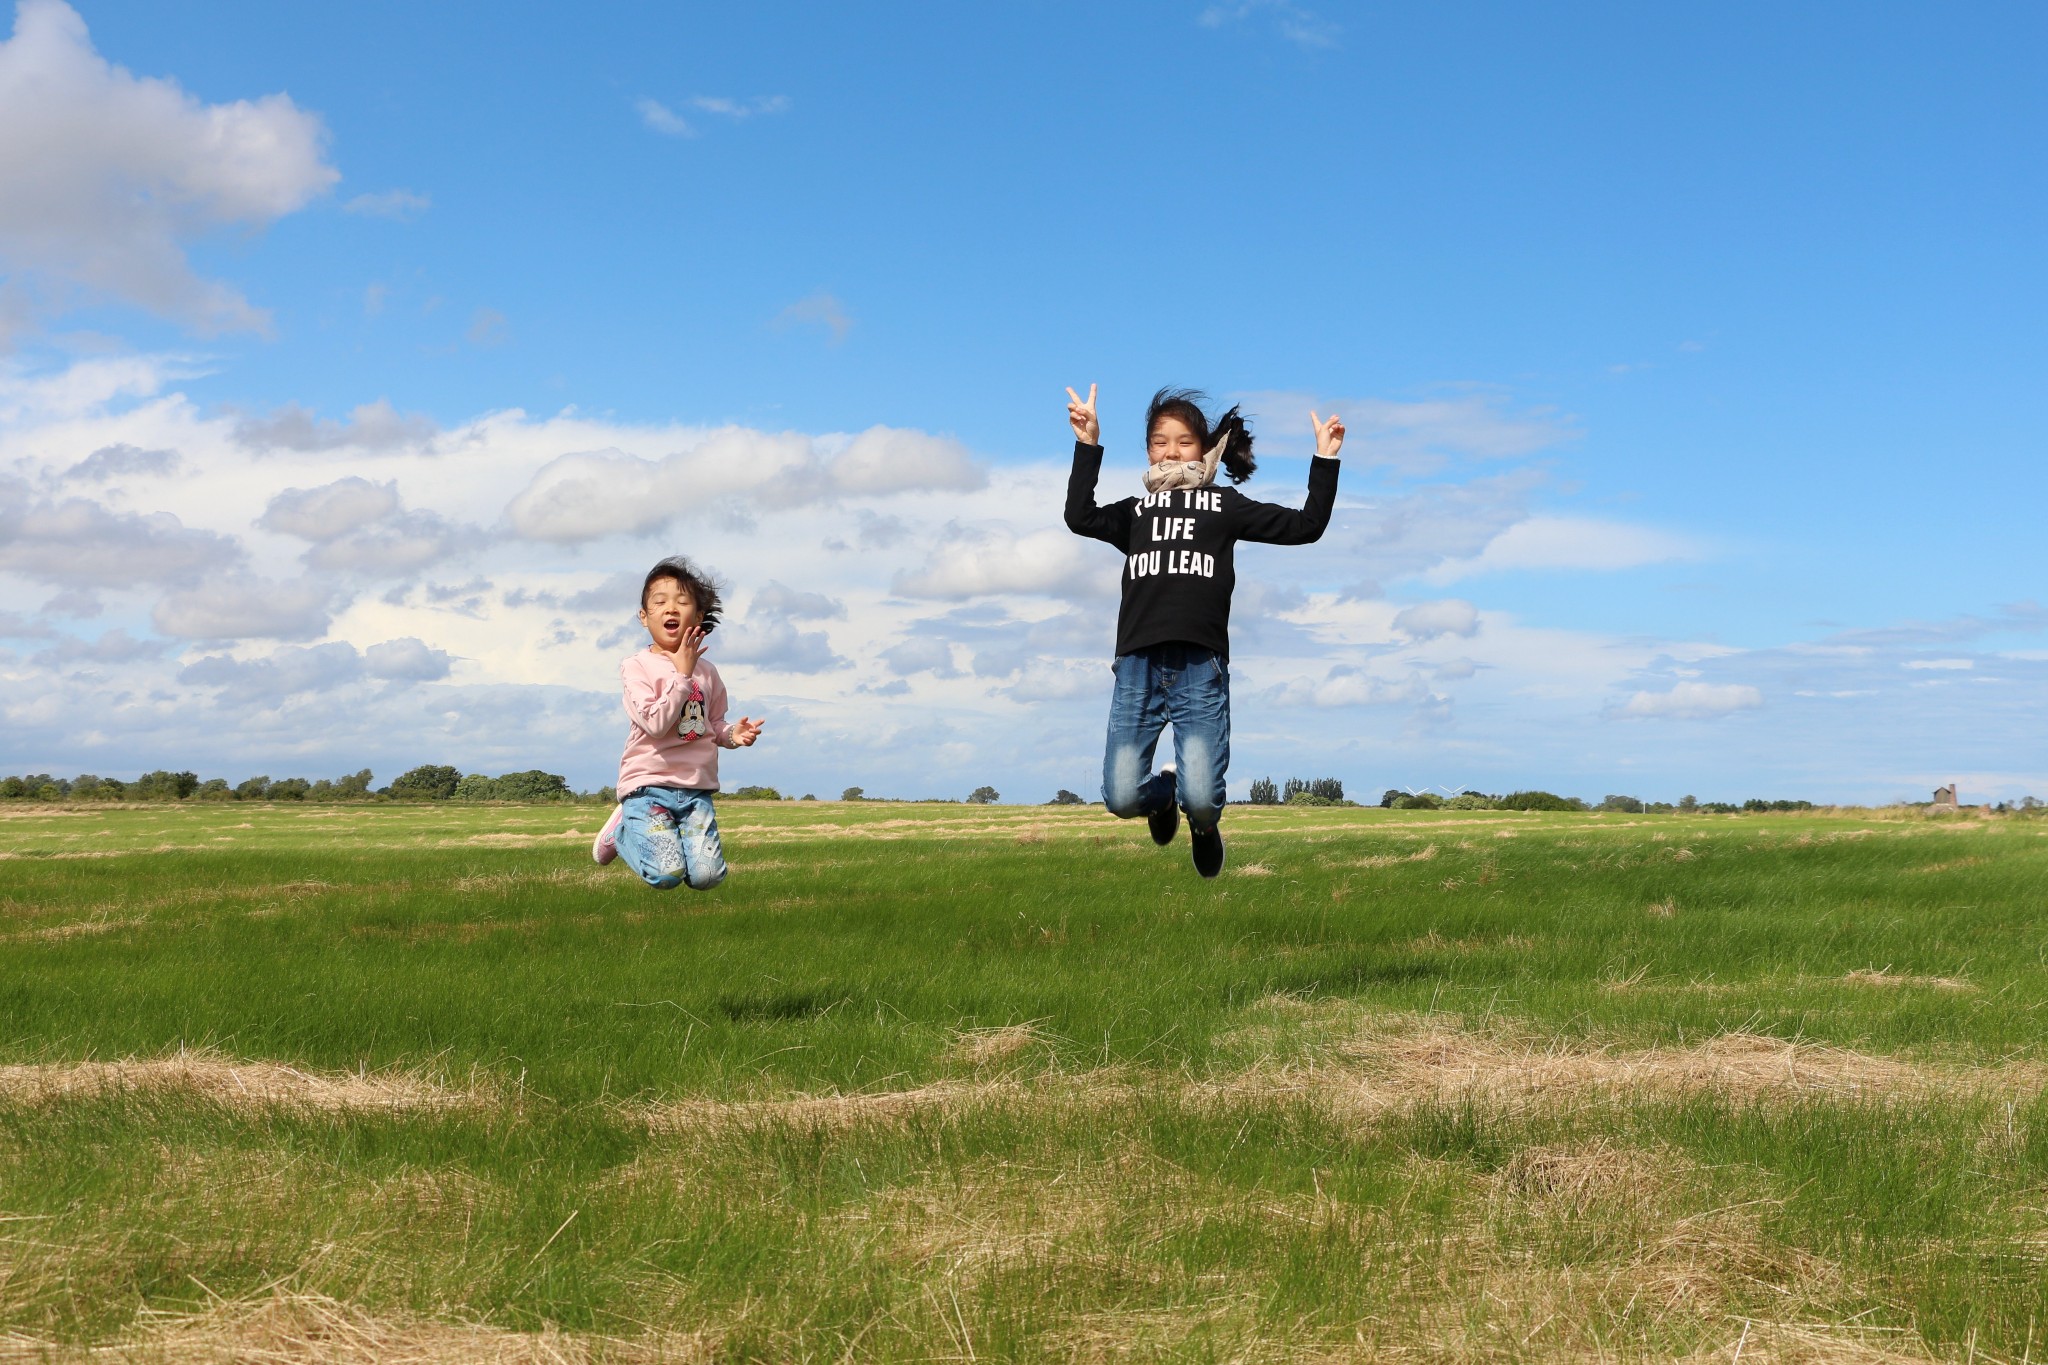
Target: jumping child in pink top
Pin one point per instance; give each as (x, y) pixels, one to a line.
(676, 702)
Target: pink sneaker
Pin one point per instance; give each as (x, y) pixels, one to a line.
(605, 846)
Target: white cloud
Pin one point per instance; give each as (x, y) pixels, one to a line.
(331, 510)
(975, 561)
(1298, 24)
(407, 660)
(663, 119)
(741, 109)
(775, 644)
(885, 460)
(238, 607)
(488, 327)
(1943, 664)
(920, 655)
(816, 310)
(122, 462)
(399, 204)
(1345, 686)
(1693, 701)
(79, 541)
(1411, 437)
(374, 427)
(104, 176)
(1543, 543)
(1429, 620)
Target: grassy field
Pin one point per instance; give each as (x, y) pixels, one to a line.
(953, 1083)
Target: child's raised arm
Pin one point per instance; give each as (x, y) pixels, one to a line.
(1084, 518)
(1267, 524)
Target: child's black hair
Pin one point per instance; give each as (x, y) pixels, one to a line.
(1186, 404)
(703, 589)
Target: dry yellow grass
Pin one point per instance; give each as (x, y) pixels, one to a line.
(224, 1080)
(295, 1328)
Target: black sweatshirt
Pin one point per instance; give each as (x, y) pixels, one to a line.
(1179, 549)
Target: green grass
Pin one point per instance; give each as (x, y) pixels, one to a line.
(1170, 1161)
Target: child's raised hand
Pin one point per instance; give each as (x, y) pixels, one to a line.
(745, 731)
(1329, 435)
(1087, 430)
(687, 651)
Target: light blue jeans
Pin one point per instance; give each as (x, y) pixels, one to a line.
(1189, 686)
(669, 835)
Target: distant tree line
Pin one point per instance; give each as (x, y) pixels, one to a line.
(430, 782)
(1298, 791)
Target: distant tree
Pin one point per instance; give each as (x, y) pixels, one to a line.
(354, 787)
(984, 796)
(1063, 797)
(853, 794)
(475, 787)
(2030, 803)
(254, 789)
(214, 789)
(289, 789)
(13, 787)
(1390, 796)
(1627, 805)
(166, 786)
(1419, 801)
(532, 785)
(1469, 801)
(1688, 804)
(1540, 800)
(757, 794)
(607, 796)
(1263, 792)
(808, 796)
(428, 782)
(1331, 789)
(87, 787)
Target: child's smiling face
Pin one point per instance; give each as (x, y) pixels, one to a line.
(1171, 439)
(670, 610)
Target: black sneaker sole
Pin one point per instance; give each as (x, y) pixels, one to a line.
(1165, 824)
(1200, 844)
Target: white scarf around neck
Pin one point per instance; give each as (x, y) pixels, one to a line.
(1168, 475)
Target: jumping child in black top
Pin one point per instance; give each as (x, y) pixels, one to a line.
(1173, 628)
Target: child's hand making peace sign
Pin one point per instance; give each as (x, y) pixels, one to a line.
(1087, 430)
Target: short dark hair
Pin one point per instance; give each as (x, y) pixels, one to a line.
(703, 589)
(1185, 405)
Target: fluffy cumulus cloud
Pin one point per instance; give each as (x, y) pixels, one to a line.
(374, 427)
(77, 540)
(243, 607)
(105, 176)
(1431, 620)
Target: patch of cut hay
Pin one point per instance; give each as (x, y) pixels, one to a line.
(1435, 1062)
(1951, 865)
(982, 1046)
(241, 1084)
(1421, 855)
(1252, 870)
(1664, 909)
(1788, 1343)
(831, 1112)
(301, 1327)
(84, 928)
(1885, 976)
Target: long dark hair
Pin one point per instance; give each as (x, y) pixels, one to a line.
(1186, 404)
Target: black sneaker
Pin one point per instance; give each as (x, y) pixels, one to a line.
(1165, 824)
(1208, 849)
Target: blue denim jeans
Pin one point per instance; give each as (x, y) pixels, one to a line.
(669, 835)
(1190, 687)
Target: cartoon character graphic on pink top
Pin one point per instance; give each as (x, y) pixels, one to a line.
(694, 723)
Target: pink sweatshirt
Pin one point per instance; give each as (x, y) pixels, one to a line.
(678, 724)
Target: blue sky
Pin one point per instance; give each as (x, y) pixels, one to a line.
(1692, 357)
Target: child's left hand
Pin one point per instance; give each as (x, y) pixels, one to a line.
(1329, 435)
(744, 732)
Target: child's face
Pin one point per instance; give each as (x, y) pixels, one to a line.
(670, 611)
(1171, 440)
